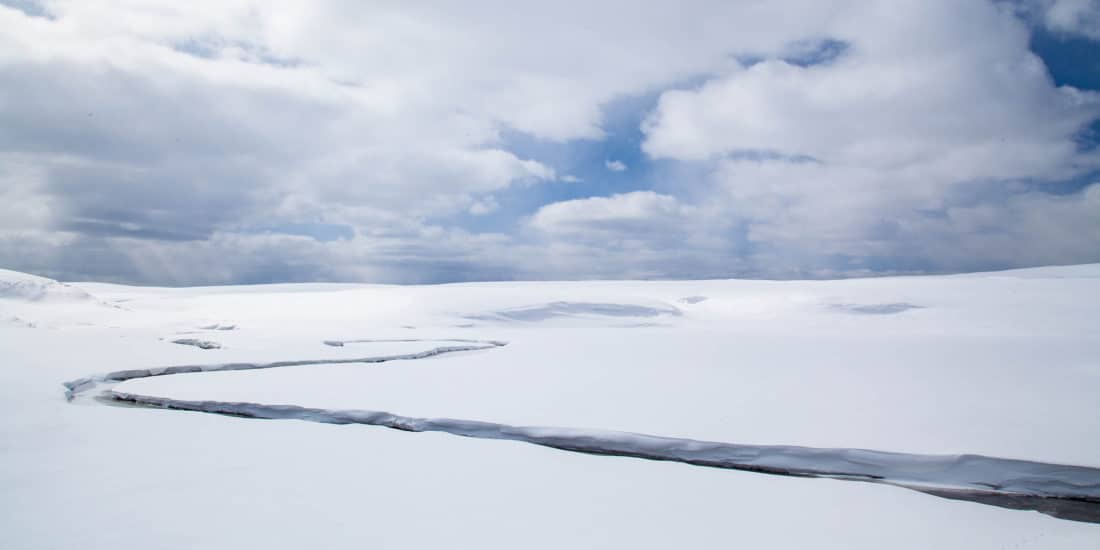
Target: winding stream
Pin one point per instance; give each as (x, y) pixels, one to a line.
(1062, 491)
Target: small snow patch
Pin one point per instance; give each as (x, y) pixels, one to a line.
(202, 344)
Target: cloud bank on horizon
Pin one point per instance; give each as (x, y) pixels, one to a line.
(243, 141)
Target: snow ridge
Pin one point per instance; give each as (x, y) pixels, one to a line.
(32, 288)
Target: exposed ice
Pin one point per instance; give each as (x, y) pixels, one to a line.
(875, 309)
(219, 326)
(543, 312)
(692, 299)
(1063, 491)
(201, 344)
(81, 385)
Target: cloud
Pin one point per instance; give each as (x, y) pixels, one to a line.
(638, 234)
(1031, 228)
(850, 163)
(615, 165)
(1072, 17)
(990, 109)
(209, 142)
(641, 234)
(162, 123)
(636, 213)
(483, 206)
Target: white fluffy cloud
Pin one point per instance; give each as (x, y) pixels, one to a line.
(890, 143)
(1075, 17)
(638, 234)
(635, 214)
(913, 89)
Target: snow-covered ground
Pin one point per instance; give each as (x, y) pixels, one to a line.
(1003, 365)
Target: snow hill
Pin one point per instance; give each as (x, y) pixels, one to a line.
(32, 288)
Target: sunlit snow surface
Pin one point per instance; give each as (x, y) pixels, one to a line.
(1002, 364)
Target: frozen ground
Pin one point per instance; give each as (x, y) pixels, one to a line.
(1002, 365)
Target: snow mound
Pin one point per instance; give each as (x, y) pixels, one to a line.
(32, 288)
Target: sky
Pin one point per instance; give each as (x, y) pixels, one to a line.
(240, 141)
